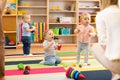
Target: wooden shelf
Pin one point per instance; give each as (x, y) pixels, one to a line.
(89, 8)
(62, 23)
(62, 11)
(35, 14)
(92, 23)
(14, 15)
(89, 0)
(9, 32)
(10, 46)
(66, 35)
(32, 7)
(60, 0)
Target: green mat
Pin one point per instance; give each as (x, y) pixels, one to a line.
(71, 53)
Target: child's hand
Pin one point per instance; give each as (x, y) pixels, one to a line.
(91, 34)
(76, 30)
(52, 42)
(59, 41)
(34, 28)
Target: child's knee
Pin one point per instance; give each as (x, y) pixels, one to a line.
(49, 62)
(58, 61)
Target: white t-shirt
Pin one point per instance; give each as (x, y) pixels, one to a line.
(51, 51)
(24, 32)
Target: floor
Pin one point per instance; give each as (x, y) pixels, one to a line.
(38, 50)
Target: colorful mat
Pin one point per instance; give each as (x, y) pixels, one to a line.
(35, 71)
(68, 60)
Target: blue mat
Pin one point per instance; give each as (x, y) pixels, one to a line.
(97, 75)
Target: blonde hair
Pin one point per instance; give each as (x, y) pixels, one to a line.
(107, 3)
(84, 14)
(24, 15)
(45, 32)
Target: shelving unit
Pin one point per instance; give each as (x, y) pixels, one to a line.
(63, 9)
(9, 25)
(92, 7)
(53, 13)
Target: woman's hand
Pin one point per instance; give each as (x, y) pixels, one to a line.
(103, 46)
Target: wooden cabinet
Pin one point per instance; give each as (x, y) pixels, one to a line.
(9, 24)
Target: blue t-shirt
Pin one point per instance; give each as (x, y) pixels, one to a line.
(24, 32)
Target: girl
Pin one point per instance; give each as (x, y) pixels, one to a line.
(85, 32)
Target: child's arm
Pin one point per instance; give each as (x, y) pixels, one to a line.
(3, 5)
(31, 29)
(49, 45)
(92, 32)
(76, 30)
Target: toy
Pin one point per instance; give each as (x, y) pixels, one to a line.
(53, 8)
(20, 66)
(27, 68)
(26, 72)
(73, 64)
(11, 43)
(63, 64)
(19, 2)
(80, 65)
(26, 4)
(76, 75)
(59, 44)
(8, 10)
(58, 8)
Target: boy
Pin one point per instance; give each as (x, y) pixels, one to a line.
(26, 33)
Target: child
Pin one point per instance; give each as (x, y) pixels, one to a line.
(26, 33)
(85, 31)
(49, 45)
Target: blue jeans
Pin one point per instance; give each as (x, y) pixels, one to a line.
(26, 44)
(52, 60)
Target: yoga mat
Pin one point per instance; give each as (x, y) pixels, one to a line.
(35, 71)
(97, 75)
(24, 62)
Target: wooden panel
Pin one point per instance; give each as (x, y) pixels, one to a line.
(9, 23)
